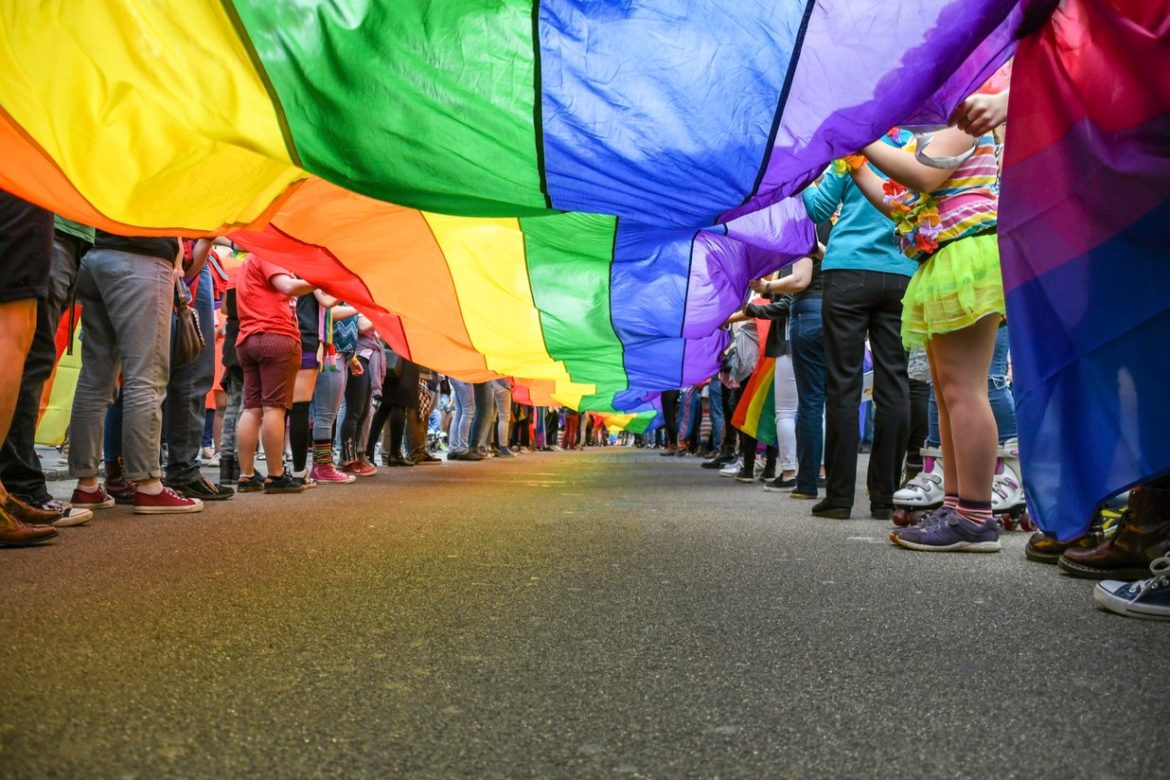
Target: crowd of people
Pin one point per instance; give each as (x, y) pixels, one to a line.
(294, 388)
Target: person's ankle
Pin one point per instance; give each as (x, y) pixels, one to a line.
(151, 487)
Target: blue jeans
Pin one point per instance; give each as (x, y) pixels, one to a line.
(482, 420)
(715, 401)
(808, 363)
(460, 430)
(187, 394)
(1003, 404)
(502, 397)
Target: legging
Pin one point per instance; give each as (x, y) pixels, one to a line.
(357, 409)
(784, 385)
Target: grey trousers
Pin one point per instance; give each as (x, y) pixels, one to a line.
(126, 328)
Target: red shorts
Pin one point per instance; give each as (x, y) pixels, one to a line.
(269, 362)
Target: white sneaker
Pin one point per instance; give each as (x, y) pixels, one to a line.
(1149, 599)
(730, 470)
(70, 516)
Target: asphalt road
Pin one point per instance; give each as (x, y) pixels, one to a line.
(606, 613)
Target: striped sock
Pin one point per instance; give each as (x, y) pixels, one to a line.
(951, 501)
(322, 453)
(975, 511)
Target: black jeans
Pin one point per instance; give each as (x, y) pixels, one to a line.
(856, 303)
(357, 409)
(919, 424)
(670, 414)
(20, 467)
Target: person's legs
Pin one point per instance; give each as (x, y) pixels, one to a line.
(357, 408)
(999, 393)
(20, 467)
(298, 421)
(481, 419)
(670, 414)
(960, 361)
(919, 425)
(808, 367)
(137, 292)
(327, 393)
(26, 234)
(845, 317)
(96, 382)
(229, 465)
(715, 398)
(392, 453)
(784, 387)
(186, 395)
(463, 417)
(503, 400)
(891, 393)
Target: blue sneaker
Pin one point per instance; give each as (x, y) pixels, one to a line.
(504, 452)
(948, 531)
(1148, 599)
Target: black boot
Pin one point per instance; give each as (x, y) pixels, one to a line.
(229, 470)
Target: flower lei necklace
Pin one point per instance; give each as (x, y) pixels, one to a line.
(916, 220)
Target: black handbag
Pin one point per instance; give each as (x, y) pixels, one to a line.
(187, 342)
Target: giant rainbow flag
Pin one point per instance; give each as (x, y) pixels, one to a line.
(418, 156)
(562, 190)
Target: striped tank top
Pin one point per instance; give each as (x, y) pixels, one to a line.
(968, 201)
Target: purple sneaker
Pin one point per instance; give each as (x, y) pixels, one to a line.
(948, 531)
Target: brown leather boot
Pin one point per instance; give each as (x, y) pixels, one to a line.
(1143, 536)
(14, 533)
(1043, 548)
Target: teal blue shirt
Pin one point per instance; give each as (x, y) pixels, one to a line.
(863, 238)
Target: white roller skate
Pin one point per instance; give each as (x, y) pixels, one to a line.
(1007, 489)
(923, 493)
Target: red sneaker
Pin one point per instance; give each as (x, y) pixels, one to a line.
(168, 502)
(327, 473)
(98, 499)
(360, 468)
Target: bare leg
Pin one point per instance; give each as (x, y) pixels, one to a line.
(960, 361)
(247, 439)
(18, 320)
(272, 434)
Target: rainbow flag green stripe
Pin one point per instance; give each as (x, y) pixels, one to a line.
(383, 106)
(569, 261)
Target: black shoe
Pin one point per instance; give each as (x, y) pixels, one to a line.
(396, 462)
(881, 511)
(717, 463)
(780, 485)
(428, 460)
(204, 490)
(252, 484)
(831, 511)
(746, 475)
(285, 483)
(769, 474)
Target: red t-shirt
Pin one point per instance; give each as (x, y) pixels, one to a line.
(262, 308)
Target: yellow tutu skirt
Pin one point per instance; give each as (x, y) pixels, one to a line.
(953, 290)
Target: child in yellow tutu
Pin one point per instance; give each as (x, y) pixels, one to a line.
(946, 219)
